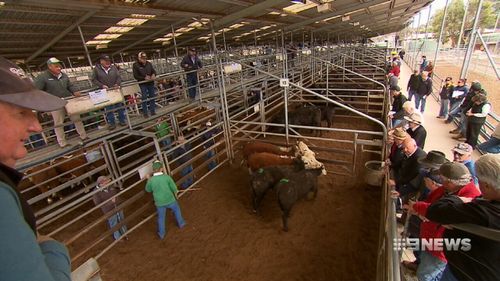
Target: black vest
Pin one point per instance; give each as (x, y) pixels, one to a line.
(12, 180)
(477, 109)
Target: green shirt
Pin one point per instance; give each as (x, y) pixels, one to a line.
(57, 86)
(162, 129)
(163, 188)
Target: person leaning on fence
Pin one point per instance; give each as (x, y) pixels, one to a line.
(444, 96)
(476, 117)
(57, 83)
(479, 262)
(396, 155)
(25, 254)
(461, 111)
(493, 144)
(397, 112)
(105, 192)
(107, 76)
(145, 74)
(165, 196)
(424, 90)
(416, 130)
(191, 63)
(456, 98)
(162, 130)
(183, 153)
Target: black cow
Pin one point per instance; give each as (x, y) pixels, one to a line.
(327, 114)
(265, 179)
(303, 116)
(294, 187)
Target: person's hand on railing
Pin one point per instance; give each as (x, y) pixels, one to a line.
(77, 94)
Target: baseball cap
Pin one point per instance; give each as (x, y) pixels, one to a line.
(104, 57)
(455, 171)
(101, 179)
(395, 88)
(18, 89)
(476, 86)
(142, 55)
(157, 165)
(53, 60)
(192, 49)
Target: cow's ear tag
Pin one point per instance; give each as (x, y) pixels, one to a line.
(260, 171)
(284, 180)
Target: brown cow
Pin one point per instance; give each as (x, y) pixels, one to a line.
(45, 175)
(256, 161)
(259, 147)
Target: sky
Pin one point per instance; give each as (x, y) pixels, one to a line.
(435, 6)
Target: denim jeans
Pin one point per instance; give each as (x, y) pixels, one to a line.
(192, 83)
(443, 111)
(166, 142)
(148, 100)
(411, 93)
(189, 180)
(420, 102)
(454, 105)
(110, 113)
(448, 275)
(114, 220)
(430, 268)
(162, 217)
(491, 146)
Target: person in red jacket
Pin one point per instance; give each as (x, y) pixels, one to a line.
(456, 180)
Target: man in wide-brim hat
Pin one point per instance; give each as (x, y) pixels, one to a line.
(433, 160)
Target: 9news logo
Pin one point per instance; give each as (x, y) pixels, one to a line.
(432, 244)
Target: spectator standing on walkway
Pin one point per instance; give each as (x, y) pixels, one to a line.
(402, 53)
(25, 255)
(191, 63)
(424, 64)
(430, 68)
(457, 97)
(107, 76)
(145, 74)
(479, 262)
(416, 130)
(462, 153)
(412, 87)
(397, 109)
(476, 117)
(424, 91)
(444, 96)
(165, 196)
(105, 192)
(493, 144)
(395, 70)
(57, 83)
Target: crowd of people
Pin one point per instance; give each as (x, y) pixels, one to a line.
(433, 191)
(106, 75)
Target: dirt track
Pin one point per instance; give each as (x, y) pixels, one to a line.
(331, 238)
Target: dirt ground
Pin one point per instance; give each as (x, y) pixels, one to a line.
(333, 237)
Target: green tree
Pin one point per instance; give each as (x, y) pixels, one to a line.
(455, 16)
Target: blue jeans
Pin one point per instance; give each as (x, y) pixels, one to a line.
(443, 111)
(114, 220)
(491, 146)
(454, 105)
(411, 93)
(166, 142)
(189, 180)
(448, 275)
(420, 102)
(110, 113)
(430, 268)
(212, 164)
(148, 100)
(192, 83)
(162, 216)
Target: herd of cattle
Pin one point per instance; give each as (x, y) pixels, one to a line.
(292, 172)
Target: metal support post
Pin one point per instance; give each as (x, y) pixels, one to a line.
(84, 45)
(175, 42)
(488, 54)
(416, 39)
(285, 89)
(224, 39)
(440, 35)
(462, 26)
(472, 41)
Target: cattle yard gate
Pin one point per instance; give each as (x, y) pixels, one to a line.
(241, 105)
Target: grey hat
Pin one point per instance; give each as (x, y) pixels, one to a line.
(101, 179)
(434, 159)
(18, 89)
(456, 172)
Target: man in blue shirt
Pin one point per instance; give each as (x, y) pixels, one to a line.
(462, 153)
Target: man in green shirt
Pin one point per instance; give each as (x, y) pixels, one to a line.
(165, 197)
(162, 130)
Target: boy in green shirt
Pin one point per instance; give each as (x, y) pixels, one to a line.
(162, 130)
(165, 197)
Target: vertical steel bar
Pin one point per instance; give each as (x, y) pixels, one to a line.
(175, 42)
(440, 35)
(285, 89)
(472, 41)
(84, 45)
(463, 25)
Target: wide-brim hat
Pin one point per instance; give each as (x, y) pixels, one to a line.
(17, 88)
(463, 148)
(414, 118)
(434, 159)
(400, 134)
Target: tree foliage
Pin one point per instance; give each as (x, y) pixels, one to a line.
(455, 16)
